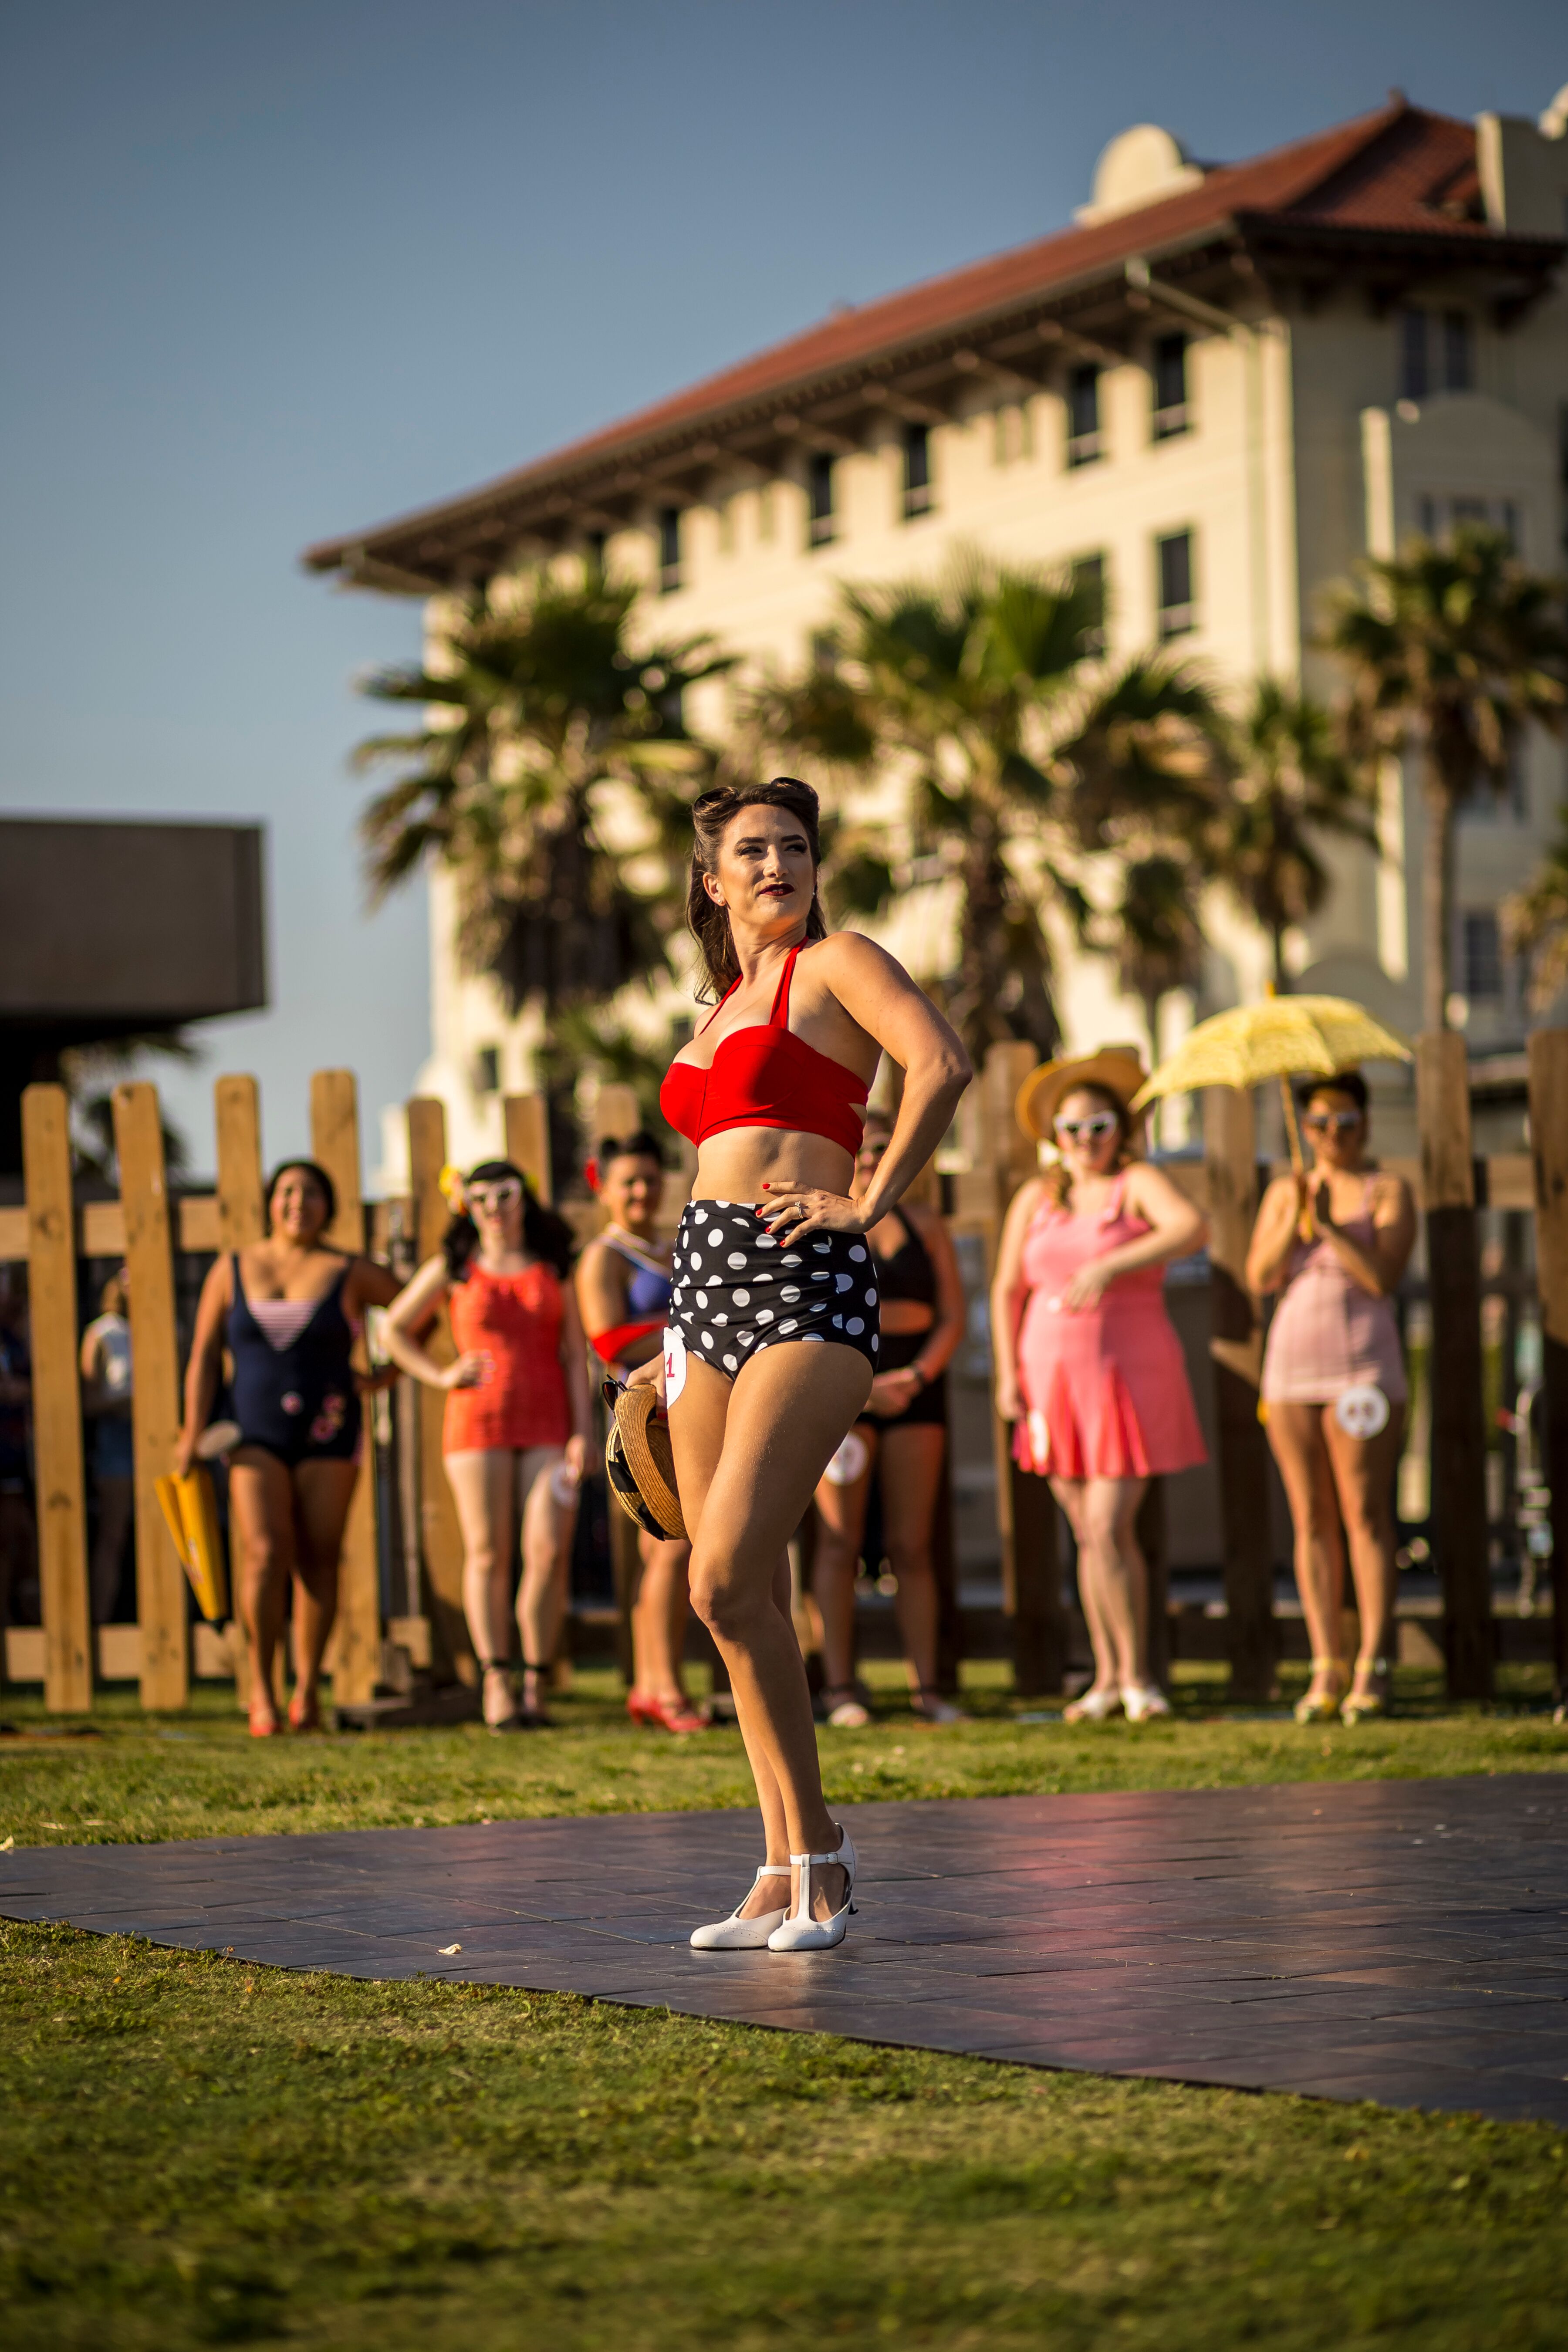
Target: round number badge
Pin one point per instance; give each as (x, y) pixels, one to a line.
(1362, 1411)
(850, 1460)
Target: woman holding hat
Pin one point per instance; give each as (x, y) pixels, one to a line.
(515, 1440)
(1087, 1361)
(624, 1290)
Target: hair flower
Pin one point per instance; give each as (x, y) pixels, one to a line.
(452, 1190)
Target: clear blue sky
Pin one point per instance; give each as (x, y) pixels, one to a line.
(275, 270)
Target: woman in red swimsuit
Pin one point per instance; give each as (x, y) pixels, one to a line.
(772, 1336)
(515, 1440)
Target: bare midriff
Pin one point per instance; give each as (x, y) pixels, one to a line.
(737, 1163)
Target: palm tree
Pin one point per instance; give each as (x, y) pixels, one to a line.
(548, 776)
(1155, 936)
(1455, 648)
(1021, 755)
(1535, 921)
(1289, 786)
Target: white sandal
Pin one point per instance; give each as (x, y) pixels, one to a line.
(1142, 1701)
(1094, 1707)
(798, 1931)
(736, 1935)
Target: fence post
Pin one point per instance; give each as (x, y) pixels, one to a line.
(1236, 1347)
(1458, 1438)
(241, 1189)
(1549, 1149)
(57, 1400)
(356, 1636)
(160, 1605)
(1026, 1510)
(441, 1539)
(527, 1120)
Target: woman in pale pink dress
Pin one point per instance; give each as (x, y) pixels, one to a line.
(1336, 1242)
(1087, 1361)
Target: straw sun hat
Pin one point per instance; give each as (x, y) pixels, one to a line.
(639, 1463)
(1118, 1068)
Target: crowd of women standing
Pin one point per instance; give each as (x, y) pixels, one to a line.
(1087, 1366)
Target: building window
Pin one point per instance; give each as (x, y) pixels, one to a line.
(1170, 386)
(597, 545)
(917, 471)
(1458, 351)
(487, 1070)
(1089, 579)
(819, 492)
(1083, 416)
(765, 511)
(1176, 615)
(825, 653)
(1480, 957)
(1414, 380)
(726, 513)
(668, 548)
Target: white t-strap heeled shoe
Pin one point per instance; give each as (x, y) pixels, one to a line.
(736, 1935)
(799, 1932)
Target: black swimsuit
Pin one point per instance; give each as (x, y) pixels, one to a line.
(300, 1401)
(909, 1274)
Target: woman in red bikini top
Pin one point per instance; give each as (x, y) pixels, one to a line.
(515, 1440)
(773, 1336)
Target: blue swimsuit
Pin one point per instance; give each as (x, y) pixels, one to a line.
(300, 1401)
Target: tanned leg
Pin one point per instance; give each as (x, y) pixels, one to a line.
(749, 1456)
(322, 1492)
(1070, 1494)
(840, 1531)
(911, 1477)
(1364, 1469)
(261, 1517)
(548, 1528)
(484, 1488)
(1296, 1437)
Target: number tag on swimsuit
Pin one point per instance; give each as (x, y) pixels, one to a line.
(849, 1462)
(1362, 1411)
(674, 1364)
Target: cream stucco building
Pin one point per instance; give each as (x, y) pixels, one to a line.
(1222, 384)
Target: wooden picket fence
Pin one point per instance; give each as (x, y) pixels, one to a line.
(147, 1226)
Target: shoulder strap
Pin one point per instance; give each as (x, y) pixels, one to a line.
(779, 1017)
(713, 1016)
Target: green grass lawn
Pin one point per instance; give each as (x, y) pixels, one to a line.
(192, 2151)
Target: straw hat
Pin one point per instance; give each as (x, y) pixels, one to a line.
(640, 1464)
(1118, 1068)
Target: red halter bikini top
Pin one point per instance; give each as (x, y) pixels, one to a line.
(765, 1076)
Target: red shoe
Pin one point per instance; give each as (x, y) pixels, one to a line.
(304, 1713)
(678, 1716)
(637, 1706)
(264, 1727)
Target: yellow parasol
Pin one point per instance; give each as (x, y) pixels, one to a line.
(1283, 1037)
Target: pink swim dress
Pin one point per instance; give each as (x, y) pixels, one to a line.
(1328, 1333)
(1105, 1388)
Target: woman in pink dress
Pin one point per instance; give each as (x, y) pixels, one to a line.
(1087, 1361)
(1335, 1243)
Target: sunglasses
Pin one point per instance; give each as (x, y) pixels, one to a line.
(1331, 1122)
(1087, 1130)
(504, 1194)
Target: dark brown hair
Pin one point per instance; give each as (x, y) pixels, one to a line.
(545, 1235)
(709, 924)
(318, 1175)
(1057, 1177)
(1344, 1082)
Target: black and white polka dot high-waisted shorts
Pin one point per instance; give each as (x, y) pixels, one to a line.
(738, 1290)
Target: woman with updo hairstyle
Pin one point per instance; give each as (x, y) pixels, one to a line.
(771, 1340)
(516, 1434)
(1087, 1361)
(288, 1310)
(1334, 1243)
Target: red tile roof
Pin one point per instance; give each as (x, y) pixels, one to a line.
(1399, 171)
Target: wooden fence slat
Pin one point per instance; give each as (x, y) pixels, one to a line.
(441, 1540)
(1236, 1347)
(357, 1635)
(527, 1120)
(161, 1608)
(1549, 1149)
(618, 1112)
(1459, 1437)
(241, 1188)
(57, 1400)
